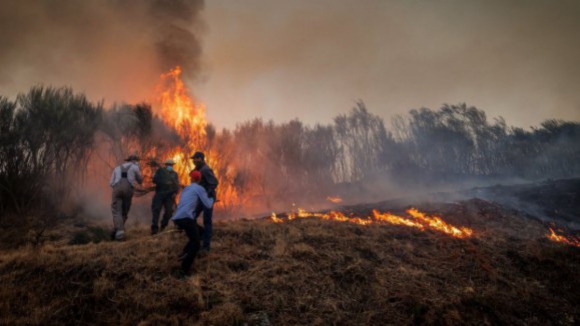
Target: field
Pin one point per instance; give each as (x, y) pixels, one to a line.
(311, 271)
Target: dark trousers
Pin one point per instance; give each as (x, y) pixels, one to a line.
(162, 200)
(207, 224)
(192, 247)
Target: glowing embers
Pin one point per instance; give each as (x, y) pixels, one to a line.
(569, 240)
(415, 219)
(336, 200)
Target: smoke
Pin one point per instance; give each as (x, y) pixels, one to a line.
(311, 59)
(114, 49)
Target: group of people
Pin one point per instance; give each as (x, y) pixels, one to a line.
(197, 198)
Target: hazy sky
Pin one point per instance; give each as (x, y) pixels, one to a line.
(311, 59)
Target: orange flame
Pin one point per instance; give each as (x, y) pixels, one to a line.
(336, 200)
(560, 238)
(419, 220)
(179, 110)
(185, 116)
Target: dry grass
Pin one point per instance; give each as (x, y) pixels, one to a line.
(303, 272)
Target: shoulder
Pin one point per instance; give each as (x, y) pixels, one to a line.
(187, 189)
(197, 188)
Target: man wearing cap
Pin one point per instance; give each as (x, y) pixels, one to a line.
(191, 198)
(125, 178)
(166, 187)
(209, 182)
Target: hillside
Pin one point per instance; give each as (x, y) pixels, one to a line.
(307, 271)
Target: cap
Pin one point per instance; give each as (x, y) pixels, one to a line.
(169, 162)
(195, 176)
(198, 155)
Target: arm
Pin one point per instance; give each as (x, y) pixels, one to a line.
(156, 176)
(111, 183)
(138, 176)
(175, 179)
(205, 200)
(212, 182)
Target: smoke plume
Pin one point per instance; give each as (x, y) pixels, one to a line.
(114, 49)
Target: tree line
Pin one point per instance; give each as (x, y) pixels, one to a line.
(53, 139)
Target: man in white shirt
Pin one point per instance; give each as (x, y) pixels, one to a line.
(124, 179)
(191, 196)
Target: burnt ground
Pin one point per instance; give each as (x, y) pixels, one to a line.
(310, 271)
(551, 202)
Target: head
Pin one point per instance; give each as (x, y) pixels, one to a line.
(195, 176)
(198, 159)
(132, 158)
(169, 164)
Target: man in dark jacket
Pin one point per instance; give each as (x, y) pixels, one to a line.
(166, 188)
(209, 182)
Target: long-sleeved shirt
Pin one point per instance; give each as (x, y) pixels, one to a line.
(208, 179)
(190, 198)
(133, 174)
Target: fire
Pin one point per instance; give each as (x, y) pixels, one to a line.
(180, 111)
(560, 238)
(336, 200)
(416, 220)
(275, 218)
(437, 223)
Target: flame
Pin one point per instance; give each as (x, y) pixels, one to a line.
(417, 220)
(437, 223)
(275, 218)
(560, 238)
(180, 111)
(336, 200)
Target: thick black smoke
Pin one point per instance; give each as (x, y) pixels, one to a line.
(110, 48)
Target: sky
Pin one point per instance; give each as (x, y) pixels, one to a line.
(312, 59)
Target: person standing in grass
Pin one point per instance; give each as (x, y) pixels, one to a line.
(125, 178)
(191, 198)
(166, 187)
(209, 182)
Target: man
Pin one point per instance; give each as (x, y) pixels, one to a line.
(166, 187)
(209, 182)
(192, 196)
(125, 178)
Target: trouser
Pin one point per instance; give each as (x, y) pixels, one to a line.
(207, 224)
(120, 205)
(192, 247)
(162, 200)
